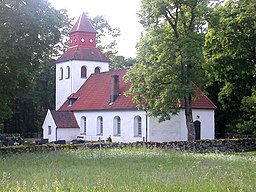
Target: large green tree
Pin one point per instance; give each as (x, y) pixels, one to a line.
(230, 51)
(169, 57)
(29, 32)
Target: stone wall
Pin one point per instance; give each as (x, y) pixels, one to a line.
(222, 145)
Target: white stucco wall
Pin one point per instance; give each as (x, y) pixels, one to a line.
(65, 87)
(175, 129)
(127, 125)
(67, 134)
(165, 131)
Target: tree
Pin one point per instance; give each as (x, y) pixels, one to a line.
(29, 32)
(169, 57)
(247, 122)
(120, 62)
(106, 33)
(230, 52)
(107, 43)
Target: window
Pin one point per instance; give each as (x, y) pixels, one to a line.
(83, 124)
(117, 126)
(137, 126)
(68, 72)
(97, 70)
(61, 73)
(84, 72)
(99, 125)
(49, 130)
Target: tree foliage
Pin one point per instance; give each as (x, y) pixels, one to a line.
(29, 33)
(231, 58)
(107, 43)
(169, 57)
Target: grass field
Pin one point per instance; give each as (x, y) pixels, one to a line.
(127, 170)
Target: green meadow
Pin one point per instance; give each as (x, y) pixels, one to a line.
(127, 170)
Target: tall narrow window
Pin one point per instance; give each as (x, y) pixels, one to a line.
(49, 130)
(83, 124)
(100, 125)
(137, 126)
(83, 72)
(97, 70)
(117, 126)
(68, 72)
(61, 73)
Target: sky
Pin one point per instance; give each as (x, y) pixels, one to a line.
(119, 13)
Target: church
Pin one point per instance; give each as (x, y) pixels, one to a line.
(90, 100)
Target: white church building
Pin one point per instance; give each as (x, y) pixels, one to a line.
(90, 100)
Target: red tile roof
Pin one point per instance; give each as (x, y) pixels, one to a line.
(85, 54)
(82, 25)
(95, 95)
(64, 119)
(201, 101)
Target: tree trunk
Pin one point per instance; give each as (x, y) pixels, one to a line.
(189, 117)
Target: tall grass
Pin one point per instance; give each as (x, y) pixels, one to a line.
(127, 170)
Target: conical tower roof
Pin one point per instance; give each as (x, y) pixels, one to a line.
(82, 25)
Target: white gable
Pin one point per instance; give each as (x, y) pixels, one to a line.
(49, 124)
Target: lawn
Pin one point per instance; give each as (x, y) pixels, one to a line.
(127, 170)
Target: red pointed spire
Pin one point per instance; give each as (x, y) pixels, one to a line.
(82, 25)
(82, 33)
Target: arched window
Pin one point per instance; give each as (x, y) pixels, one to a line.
(83, 125)
(137, 126)
(197, 125)
(117, 126)
(100, 125)
(83, 72)
(68, 72)
(61, 73)
(97, 70)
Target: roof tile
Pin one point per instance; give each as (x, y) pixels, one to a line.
(82, 25)
(95, 95)
(84, 54)
(64, 119)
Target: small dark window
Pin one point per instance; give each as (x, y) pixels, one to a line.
(71, 101)
(61, 73)
(49, 130)
(68, 72)
(83, 72)
(97, 70)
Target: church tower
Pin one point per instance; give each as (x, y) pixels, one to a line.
(81, 59)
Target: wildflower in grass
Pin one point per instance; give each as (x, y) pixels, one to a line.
(221, 156)
(116, 153)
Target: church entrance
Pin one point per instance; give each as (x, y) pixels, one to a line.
(197, 125)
